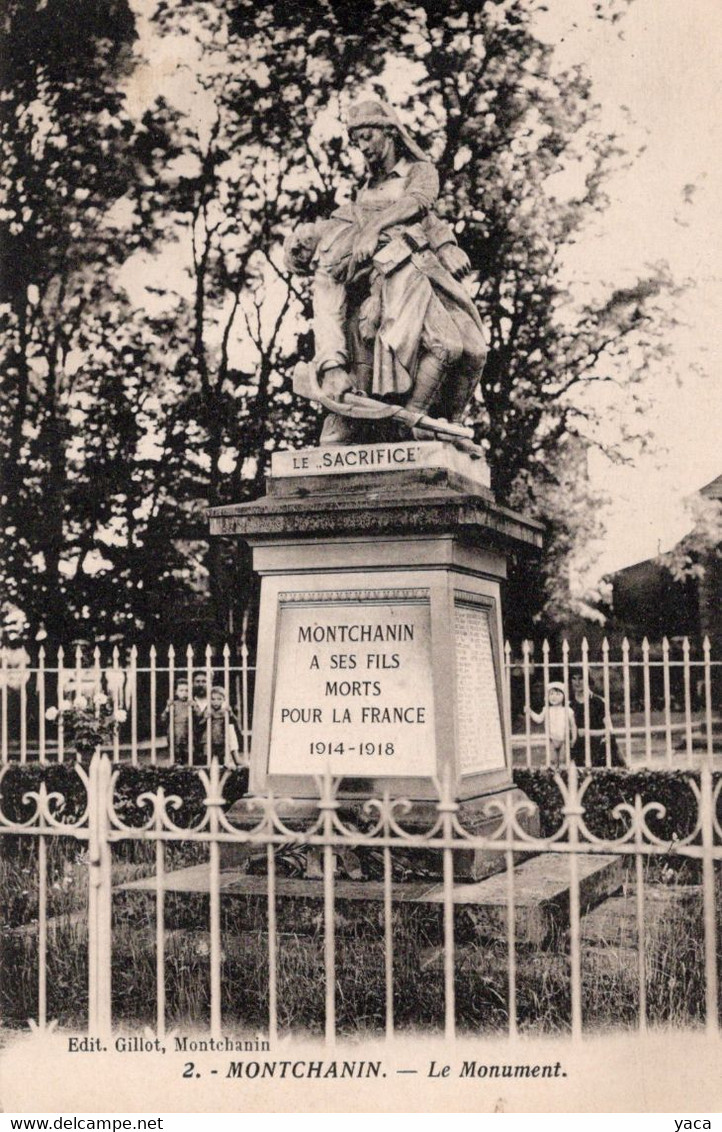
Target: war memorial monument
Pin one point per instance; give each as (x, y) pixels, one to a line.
(382, 551)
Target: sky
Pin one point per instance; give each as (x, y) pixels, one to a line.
(660, 62)
(656, 76)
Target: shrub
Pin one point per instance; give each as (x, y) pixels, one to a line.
(608, 788)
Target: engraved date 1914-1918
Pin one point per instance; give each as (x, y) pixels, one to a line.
(319, 747)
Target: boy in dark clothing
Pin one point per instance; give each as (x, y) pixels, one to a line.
(176, 717)
(224, 730)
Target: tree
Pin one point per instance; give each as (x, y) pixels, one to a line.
(222, 177)
(502, 126)
(85, 387)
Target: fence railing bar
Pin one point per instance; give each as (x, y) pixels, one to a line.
(627, 701)
(647, 702)
(215, 900)
(329, 925)
(189, 669)
(227, 693)
(667, 701)
(446, 808)
(99, 900)
(567, 693)
(507, 695)
(272, 946)
(42, 933)
(209, 686)
(607, 701)
(60, 698)
(78, 670)
(246, 739)
(706, 802)
(160, 937)
(24, 677)
(4, 703)
(511, 941)
(153, 707)
(545, 668)
(641, 932)
(133, 691)
(708, 699)
(41, 705)
(687, 701)
(586, 690)
(171, 705)
(527, 700)
(519, 738)
(388, 941)
(574, 812)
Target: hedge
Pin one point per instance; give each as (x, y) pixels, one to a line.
(132, 781)
(607, 789)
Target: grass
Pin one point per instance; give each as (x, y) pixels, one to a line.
(610, 997)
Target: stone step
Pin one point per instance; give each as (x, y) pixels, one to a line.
(541, 894)
(613, 924)
(541, 891)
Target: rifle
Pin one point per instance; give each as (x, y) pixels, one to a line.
(360, 406)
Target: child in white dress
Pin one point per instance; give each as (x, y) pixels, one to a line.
(559, 719)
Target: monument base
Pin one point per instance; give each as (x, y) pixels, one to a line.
(469, 863)
(380, 639)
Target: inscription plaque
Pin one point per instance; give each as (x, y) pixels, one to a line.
(480, 743)
(333, 461)
(353, 689)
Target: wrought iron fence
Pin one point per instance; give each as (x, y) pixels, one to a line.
(646, 705)
(67, 707)
(656, 705)
(384, 827)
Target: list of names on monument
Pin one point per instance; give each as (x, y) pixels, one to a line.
(480, 743)
(353, 690)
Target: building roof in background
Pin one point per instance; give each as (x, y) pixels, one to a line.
(713, 489)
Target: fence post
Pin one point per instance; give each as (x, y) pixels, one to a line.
(244, 679)
(41, 704)
(525, 646)
(687, 701)
(707, 821)
(647, 704)
(708, 698)
(586, 693)
(60, 695)
(547, 744)
(132, 689)
(99, 899)
(567, 699)
(153, 705)
(608, 725)
(115, 681)
(627, 702)
(507, 699)
(4, 699)
(574, 811)
(667, 701)
(24, 677)
(191, 737)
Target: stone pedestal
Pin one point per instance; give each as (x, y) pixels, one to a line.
(380, 639)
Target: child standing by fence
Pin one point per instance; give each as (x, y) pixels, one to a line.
(561, 726)
(224, 728)
(176, 716)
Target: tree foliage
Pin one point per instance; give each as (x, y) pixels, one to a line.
(129, 410)
(87, 397)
